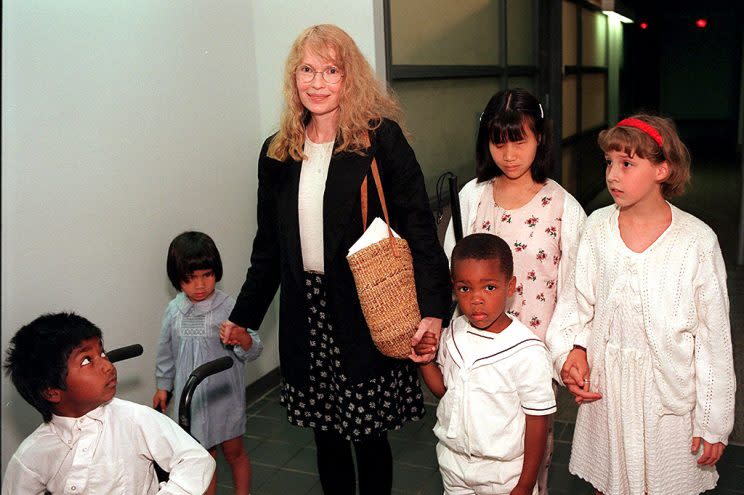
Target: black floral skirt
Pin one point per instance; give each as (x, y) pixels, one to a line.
(329, 401)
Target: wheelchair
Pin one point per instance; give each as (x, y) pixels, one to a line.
(184, 404)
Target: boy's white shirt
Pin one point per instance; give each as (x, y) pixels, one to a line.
(490, 387)
(685, 311)
(109, 450)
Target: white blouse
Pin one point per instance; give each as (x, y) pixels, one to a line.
(109, 450)
(310, 203)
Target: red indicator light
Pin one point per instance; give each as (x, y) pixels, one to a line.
(644, 25)
(701, 23)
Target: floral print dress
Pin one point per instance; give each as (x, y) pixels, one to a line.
(533, 233)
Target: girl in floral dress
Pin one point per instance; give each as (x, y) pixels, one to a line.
(513, 198)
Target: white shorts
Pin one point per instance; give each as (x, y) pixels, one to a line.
(463, 476)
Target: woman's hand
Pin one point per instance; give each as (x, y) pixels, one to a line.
(230, 333)
(427, 344)
(160, 400)
(712, 452)
(433, 326)
(575, 374)
(240, 336)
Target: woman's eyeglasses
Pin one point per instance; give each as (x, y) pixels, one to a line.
(306, 74)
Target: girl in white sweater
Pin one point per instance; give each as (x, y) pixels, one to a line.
(650, 320)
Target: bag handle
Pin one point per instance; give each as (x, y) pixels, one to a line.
(378, 184)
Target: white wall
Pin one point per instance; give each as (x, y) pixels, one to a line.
(125, 123)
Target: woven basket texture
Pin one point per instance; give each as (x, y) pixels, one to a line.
(387, 293)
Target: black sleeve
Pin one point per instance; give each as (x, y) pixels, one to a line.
(262, 279)
(405, 194)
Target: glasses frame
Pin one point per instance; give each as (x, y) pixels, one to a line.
(304, 76)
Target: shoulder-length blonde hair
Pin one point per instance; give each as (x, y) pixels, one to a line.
(673, 151)
(364, 101)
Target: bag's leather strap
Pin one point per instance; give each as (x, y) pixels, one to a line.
(378, 184)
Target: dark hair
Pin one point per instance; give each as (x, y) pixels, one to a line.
(503, 119)
(484, 247)
(36, 359)
(633, 141)
(192, 251)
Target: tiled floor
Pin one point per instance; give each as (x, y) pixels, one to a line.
(283, 457)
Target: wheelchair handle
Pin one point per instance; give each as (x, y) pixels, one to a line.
(195, 378)
(126, 352)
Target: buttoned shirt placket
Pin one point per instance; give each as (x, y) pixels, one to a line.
(85, 434)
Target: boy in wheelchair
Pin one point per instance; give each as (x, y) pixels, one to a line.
(91, 442)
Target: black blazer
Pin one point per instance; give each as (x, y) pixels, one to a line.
(277, 258)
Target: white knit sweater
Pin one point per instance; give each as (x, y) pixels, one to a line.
(685, 313)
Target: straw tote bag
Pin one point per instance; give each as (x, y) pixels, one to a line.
(383, 274)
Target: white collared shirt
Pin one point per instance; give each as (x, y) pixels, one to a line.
(493, 380)
(109, 451)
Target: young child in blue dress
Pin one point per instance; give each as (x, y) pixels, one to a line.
(190, 337)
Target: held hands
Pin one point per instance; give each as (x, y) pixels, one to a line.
(427, 344)
(420, 354)
(160, 400)
(712, 452)
(232, 334)
(576, 376)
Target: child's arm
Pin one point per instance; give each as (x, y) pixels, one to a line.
(160, 400)
(21, 479)
(248, 345)
(571, 228)
(189, 465)
(165, 364)
(433, 378)
(430, 371)
(714, 369)
(532, 377)
(568, 331)
(576, 367)
(535, 436)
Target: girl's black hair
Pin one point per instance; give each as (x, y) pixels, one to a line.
(503, 119)
(36, 359)
(192, 251)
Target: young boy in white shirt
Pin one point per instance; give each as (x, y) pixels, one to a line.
(493, 377)
(91, 442)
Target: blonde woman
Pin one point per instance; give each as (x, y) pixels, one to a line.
(338, 117)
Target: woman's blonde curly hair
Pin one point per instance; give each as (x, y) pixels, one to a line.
(364, 101)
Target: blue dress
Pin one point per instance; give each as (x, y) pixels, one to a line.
(189, 337)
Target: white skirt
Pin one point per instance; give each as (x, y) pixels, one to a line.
(622, 443)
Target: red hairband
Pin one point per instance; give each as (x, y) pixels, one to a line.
(639, 124)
